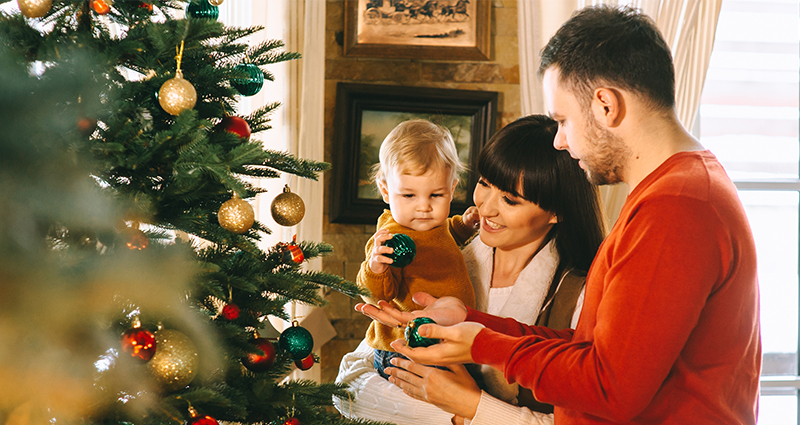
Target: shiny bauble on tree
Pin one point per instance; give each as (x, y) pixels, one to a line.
(202, 9)
(175, 363)
(34, 8)
(138, 342)
(216, 2)
(236, 215)
(292, 253)
(177, 94)
(260, 362)
(404, 250)
(86, 126)
(135, 239)
(297, 341)
(198, 419)
(412, 336)
(102, 7)
(235, 125)
(145, 5)
(292, 421)
(249, 79)
(287, 208)
(231, 312)
(305, 364)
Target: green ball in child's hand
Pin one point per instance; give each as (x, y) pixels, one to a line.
(404, 250)
(413, 339)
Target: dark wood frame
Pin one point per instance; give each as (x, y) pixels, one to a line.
(353, 99)
(480, 51)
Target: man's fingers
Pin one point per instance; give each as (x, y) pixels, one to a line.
(423, 298)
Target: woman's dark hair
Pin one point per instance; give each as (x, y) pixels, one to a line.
(523, 152)
(614, 45)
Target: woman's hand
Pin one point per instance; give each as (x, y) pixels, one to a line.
(445, 311)
(454, 392)
(379, 263)
(455, 345)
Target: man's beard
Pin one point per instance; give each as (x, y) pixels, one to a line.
(606, 157)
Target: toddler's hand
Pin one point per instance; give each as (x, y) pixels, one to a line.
(471, 217)
(378, 263)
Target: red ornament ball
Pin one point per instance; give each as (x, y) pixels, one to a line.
(231, 312)
(203, 420)
(139, 343)
(305, 364)
(292, 252)
(292, 421)
(235, 125)
(145, 5)
(257, 362)
(86, 126)
(102, 7)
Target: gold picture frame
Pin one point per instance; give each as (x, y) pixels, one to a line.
(418, 29)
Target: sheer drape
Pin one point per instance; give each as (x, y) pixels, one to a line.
(688, 27)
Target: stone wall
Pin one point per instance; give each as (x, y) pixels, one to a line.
(500, 74)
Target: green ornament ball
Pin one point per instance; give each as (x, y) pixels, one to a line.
(253, 81)
(404, 250)
(202, 9)
(413, 339)
(297, 341)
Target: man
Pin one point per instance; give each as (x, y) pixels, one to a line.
(669, 331)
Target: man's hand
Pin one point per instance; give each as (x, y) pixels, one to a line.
(455, 345)
(444, 311)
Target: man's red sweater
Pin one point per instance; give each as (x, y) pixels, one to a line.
(669, 331)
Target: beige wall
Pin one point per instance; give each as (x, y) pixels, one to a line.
(500, 74)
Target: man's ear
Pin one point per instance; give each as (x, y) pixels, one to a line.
(384, 190)
(608, 106)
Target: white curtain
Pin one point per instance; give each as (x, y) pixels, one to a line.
(297, 126)
(688, 26)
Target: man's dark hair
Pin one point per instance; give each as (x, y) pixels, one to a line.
(618, 46)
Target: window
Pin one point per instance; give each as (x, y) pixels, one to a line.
(748, 118)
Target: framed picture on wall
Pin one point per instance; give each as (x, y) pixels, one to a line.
(366, 113)
(418, 29)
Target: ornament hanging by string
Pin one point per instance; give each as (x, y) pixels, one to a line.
(291, 251)
(216, 2)
(297, 341)
(177, 94)
(102, 7)
(260, 362)
(412, 336)
(404, 250)
(34, 8)
(235, 125)
(305, 364)
(236, 215)
(196, 419)
(139, 343)
(202, 9)
(175, 363)
(287, 208)
(252, 81)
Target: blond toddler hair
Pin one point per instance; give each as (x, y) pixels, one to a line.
(415, 146)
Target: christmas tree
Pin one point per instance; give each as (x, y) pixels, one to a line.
(133, 290)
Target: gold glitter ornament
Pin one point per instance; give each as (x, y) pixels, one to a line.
(215, 2)
(236, 215)
(288, 208)
(174, 365)
(34, 8)
(177, 94)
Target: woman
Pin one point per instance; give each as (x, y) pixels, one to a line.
(540, 229)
